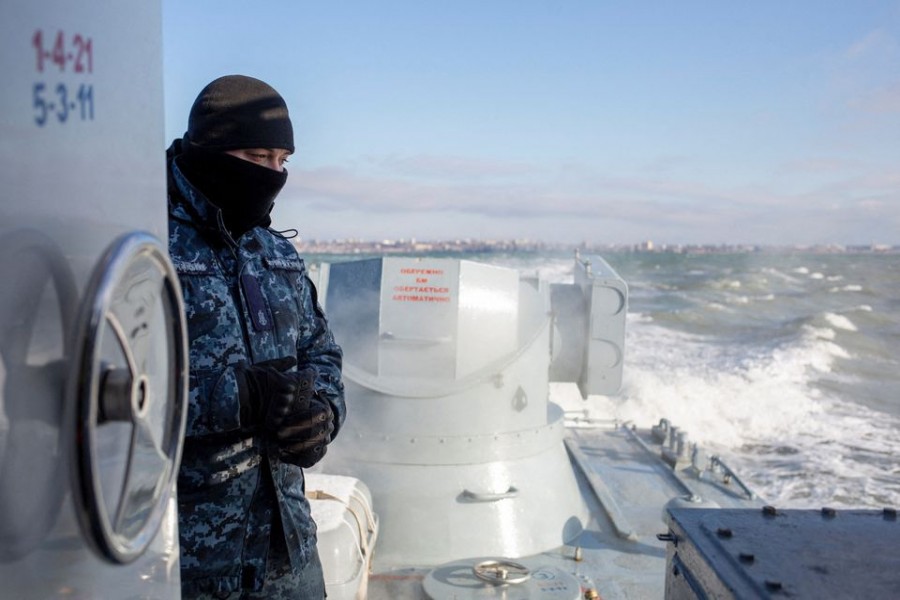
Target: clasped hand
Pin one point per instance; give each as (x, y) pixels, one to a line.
(286, 406)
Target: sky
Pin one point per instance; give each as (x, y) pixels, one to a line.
(764, 122)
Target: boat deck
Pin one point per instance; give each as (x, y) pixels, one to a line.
(627, 484)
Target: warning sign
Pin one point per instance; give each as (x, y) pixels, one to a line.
(421, 285)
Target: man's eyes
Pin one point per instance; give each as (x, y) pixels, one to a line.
(265, 157)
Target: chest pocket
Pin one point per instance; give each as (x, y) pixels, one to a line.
(213, 325)
(283, 283)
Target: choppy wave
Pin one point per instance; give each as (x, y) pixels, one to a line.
(798, 445)
(840, 321)
(847, 288)
(761, 361)
(788, 366)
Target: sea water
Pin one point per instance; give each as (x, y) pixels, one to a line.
(786, 365)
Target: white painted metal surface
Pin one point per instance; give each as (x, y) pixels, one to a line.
(81, 162)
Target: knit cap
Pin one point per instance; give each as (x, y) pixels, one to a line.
(237, 111)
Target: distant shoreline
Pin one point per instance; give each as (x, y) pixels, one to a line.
(360, 247)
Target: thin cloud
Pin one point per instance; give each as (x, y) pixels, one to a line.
(877, 43)
(819, 165)
(842, 198)
(337, 189)
(454, 168)
(867, 74)
(879, 101)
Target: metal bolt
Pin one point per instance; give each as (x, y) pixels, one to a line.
(769, 511)
(724, 532)
(828, 513)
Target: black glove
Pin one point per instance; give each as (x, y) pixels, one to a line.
(305, 433)
(267, 392)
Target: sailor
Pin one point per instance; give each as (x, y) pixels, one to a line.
(266, 395)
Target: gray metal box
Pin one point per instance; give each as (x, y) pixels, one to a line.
(768, 553)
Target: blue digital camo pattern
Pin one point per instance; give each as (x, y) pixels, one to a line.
(282, 584)
(225, 500)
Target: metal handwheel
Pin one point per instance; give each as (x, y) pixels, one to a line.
(500, 572)
(129, 392)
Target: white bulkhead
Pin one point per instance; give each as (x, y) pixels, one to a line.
(91, 348)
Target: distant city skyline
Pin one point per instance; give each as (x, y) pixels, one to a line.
(769, 122)
(354, 246)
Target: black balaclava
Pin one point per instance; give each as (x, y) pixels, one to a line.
(235, 112)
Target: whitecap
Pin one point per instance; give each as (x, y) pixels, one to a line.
(822, 333)
(718, 396)
(636, 317)
(776, 274)
(840, 321)
(846, 288)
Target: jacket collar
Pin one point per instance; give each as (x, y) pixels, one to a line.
(193, 206)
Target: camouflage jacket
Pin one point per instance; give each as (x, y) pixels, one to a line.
(246, 301)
